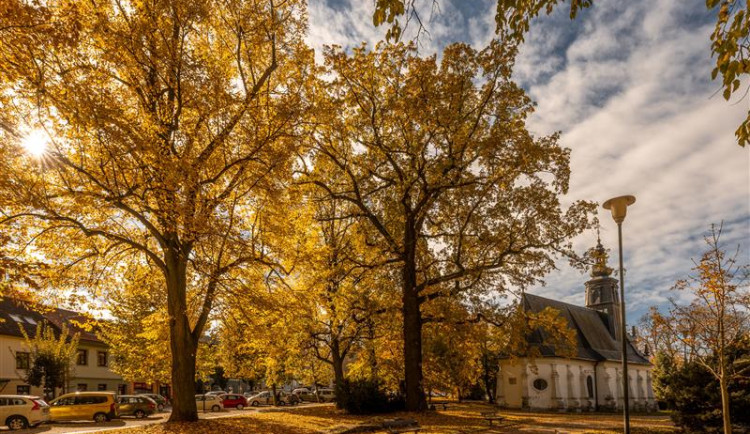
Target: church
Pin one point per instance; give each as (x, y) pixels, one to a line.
(591, 380)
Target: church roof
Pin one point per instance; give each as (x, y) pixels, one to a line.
(593, 338)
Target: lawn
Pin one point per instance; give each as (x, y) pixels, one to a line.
(457, 419)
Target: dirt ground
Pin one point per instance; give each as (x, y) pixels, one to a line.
(461, 418)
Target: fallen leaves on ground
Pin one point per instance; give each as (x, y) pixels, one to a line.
(461, 418)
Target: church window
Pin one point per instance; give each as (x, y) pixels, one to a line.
(540, 384)
(590, 386)
(511, 380)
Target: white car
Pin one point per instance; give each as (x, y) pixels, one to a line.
(208, 402)
(22, 411)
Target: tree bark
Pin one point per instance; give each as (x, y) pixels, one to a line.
(415, 399)
(724, 387)
(338, 368)
(488, 386)
(182, 343)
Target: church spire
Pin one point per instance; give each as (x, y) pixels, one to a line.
(600, 268)
(601, 290)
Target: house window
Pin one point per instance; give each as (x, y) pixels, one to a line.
(23, 360)
(101, 358)
(101, 387)
(540, 384)
(511, 380)
(82, 387)
(590, 386)
(83, 358)
(122, 389)
(23, 390)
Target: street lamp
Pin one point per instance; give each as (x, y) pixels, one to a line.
(619, 207)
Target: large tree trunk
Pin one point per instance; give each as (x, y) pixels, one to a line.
(184, 346)
(338, 368)
(724, 388)
(415, 399)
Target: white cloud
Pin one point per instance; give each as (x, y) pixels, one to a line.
(628, 84)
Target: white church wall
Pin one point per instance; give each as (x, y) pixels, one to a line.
(572, 385)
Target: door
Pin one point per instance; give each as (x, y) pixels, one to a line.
(62, 408)
(4, 409)
(127, 405)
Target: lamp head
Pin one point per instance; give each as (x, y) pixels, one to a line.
(619, 207)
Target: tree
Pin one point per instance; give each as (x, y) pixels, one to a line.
(693, 396)
(436, 161)
(171, 125)
(138, 331)
(717, 319)
(512, 16)
(729, 43)
(340, 296)
(51, 355)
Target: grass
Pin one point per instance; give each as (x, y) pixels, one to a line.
(462, 418)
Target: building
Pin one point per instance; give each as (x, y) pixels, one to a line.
(592, 379)
(90, 371)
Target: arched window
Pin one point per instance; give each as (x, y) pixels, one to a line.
(590, 386)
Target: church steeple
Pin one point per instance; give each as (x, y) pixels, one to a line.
(601, 290)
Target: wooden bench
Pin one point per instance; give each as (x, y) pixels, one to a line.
(399, 426)
(492, 416)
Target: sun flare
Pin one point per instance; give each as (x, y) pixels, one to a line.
(35, 143)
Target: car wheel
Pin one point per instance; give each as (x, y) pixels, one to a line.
(281, 402)
(17, 422)
(139, 414)
(255, 403)
(240, 406)
(215, 408)
(100, 417)
(160, 407)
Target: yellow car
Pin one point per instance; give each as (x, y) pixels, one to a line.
(97, 406)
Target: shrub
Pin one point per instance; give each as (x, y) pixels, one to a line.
(367, 397)
(692, 392)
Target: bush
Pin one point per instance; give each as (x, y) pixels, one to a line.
(367, 397)
(692, 393)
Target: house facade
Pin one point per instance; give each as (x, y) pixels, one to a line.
(591, 380)
(90, 370)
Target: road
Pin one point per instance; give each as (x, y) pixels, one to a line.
(129, 422)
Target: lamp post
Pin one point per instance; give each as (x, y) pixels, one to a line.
(619, 207)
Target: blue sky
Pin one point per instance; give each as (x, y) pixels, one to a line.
(628, 84)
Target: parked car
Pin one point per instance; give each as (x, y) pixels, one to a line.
(325, 395)
(233, 400)
(208, 402)
(161, 401)
(139, 406)
(301, 390)
(260, 398)
(266, 399)
(22, 411)
(288, 398)
(99, 406)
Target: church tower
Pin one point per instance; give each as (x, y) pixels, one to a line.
(601, 290)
